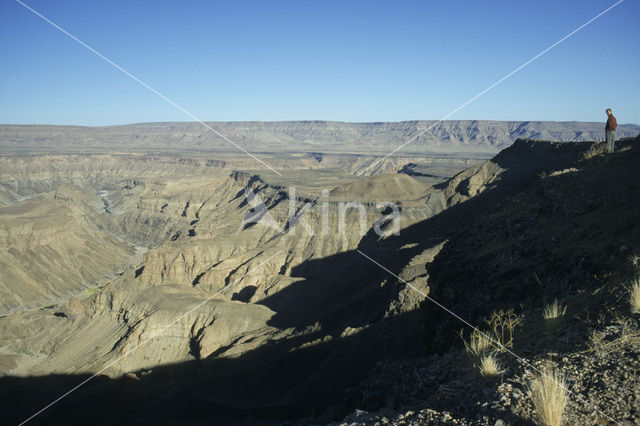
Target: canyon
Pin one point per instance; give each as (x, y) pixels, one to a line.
(166, 268)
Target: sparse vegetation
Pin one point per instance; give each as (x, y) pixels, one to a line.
(634, 296)
(503, 323)
(596, 343)
(549, 396)
(596, 150)
(478, 344)
(627, 334)
(554, 310)
(483, 349)
(489, 365)
(90, 291)
(628, 328)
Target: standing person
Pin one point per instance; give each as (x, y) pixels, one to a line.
(610, 129)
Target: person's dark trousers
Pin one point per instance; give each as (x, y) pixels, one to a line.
(611, 141)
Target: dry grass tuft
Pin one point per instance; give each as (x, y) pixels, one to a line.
(478, 343)
(596, 150)
(634, 296)
(554, 310)
(549, 396)
(628, 335)
(490, 366)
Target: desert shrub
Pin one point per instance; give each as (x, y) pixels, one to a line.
(503, 323)
(597, 149)
(481, 346)
(489, 365)
(549, 396)
(479, 343)
(554, 310)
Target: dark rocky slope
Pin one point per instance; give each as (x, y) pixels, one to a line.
(572, 234)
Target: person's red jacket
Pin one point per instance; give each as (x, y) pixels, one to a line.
(612, 124)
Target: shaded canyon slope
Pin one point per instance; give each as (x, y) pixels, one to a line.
(568, 234)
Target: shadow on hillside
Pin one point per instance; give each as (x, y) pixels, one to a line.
(568, 230)
(280, 380)
(344, 289)
(274, 383)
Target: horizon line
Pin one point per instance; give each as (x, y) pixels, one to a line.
(306, 121)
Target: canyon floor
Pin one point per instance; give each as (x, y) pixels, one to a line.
(204, 288)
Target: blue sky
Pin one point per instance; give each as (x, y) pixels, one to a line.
(318, 60)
